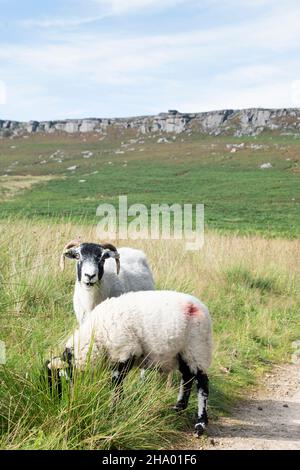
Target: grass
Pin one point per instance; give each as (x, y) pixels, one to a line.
(238, 195)
(250, 284)
(247, 273)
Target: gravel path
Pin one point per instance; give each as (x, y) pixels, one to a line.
(268, 419)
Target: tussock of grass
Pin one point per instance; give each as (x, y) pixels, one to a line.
(84, 418)
(264, 283)
(250, 284)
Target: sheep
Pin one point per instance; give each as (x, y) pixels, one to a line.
(99, 278)
(166, 329)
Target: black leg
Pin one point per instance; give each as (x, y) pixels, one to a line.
(119, 373)
(54, 380)
(203, 391)
(185, 385)
(54, 374)
(68, 357)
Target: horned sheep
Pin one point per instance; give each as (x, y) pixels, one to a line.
(104, 272)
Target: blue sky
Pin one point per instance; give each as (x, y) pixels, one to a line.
(98, 58)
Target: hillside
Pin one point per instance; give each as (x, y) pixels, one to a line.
(228, 122)
(247, 184)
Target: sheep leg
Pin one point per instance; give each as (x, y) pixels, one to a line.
(203, 391)
(185, 385)
(119, 373)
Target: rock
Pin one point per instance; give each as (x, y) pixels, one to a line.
(72, 168)
(265, 166)
(87, 154)
(232, 122)
(296, 358)
(163, 140)
(89, 125)
(32, 126)
(71, 127)
(296, 344)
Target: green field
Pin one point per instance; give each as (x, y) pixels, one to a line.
(247, 273)
(250, 284)
(237, 194)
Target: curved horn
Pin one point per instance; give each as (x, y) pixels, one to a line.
(114, 254)
(67, 247)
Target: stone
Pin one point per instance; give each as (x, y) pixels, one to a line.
(296, 344)
(71, 127)
(296, 357)
(163, 140)
(89, 125)
(249, 122)
(266, 166)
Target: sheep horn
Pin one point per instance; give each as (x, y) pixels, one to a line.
(67, 247)
(116, 255)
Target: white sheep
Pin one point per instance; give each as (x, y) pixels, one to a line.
(104, 272)
(166, 329)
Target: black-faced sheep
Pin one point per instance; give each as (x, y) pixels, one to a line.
(104, 272)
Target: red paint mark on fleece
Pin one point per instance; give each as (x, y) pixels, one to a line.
(192, 310)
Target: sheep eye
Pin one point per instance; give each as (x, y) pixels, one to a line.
(77, 256)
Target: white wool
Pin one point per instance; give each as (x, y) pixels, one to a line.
(135, 275)
(152, 326)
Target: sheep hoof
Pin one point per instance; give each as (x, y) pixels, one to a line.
(179, 407)
(199, 429)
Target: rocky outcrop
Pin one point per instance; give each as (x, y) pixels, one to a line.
(232, 122)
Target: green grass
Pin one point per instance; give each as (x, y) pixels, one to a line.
(251, 286)
(247, 273)
(84, 417)
(238, 195)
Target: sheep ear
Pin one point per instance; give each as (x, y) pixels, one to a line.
(71, 253)
(110, 251)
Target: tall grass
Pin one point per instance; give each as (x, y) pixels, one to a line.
(250, 284)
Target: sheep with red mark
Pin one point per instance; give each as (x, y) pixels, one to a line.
(166, 329)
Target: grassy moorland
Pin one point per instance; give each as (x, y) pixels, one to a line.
(238, 195)
(247, 273)
(251, 285)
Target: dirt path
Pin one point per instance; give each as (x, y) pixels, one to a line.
(270, 419)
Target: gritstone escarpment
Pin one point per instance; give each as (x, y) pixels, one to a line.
(225, 122)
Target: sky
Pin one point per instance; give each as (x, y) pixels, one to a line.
(114, 58)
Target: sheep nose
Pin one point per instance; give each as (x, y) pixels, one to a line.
(90, 276)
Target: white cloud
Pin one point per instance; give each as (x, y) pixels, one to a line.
(107, 8)
(124, 6)
(295, 93)
(62, 23)
(3, 95)
(252, 63)
(107, 58)
(268, 95)
(251, 74)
